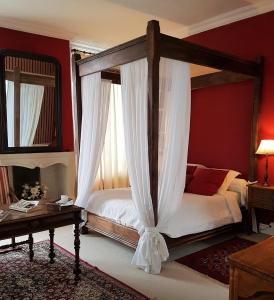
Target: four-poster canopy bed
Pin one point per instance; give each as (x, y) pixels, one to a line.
(154, 46)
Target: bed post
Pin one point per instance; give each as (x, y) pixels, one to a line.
(153, 59)
(77, 98)
(77, 101)
(76, 95)
(254, 140)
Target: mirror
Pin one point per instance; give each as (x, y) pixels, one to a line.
(30, 103)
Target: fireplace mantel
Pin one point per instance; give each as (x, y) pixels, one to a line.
(41, 160)
(44, 160)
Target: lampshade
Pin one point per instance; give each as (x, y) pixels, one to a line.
(266, 147)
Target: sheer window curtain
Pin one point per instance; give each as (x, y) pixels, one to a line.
(10, 111)
(95, 106)
(31, 99)
(112, 171)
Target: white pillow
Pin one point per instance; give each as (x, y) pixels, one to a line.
(239, 186)
(231, 175)
(196, 165)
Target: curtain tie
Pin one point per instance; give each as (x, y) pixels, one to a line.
(151, 250)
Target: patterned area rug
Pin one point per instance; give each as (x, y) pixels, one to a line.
(40, 280)
(212, 261)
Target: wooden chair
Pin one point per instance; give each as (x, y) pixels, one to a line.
(7, 195)
(4, 187)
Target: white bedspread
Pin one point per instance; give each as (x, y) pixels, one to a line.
(197, 213)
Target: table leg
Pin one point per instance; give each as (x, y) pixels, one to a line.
(249, 221)
(13, 242)
(31, 253)
(51, 247)
(233, 283)
(77, 270)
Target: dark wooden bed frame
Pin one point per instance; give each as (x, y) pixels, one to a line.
(154, 45)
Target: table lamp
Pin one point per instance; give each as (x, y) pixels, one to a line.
(266, 147)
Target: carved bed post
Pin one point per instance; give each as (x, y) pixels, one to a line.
(76, 94)
(254, 139)
(77, 99)
(153, 58)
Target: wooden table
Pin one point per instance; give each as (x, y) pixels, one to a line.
(19, 223)
(252, 272)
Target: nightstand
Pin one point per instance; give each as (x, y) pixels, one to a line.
(261, 199)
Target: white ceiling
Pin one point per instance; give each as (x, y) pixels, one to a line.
(105, 23)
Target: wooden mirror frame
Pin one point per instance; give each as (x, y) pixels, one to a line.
(4, 148)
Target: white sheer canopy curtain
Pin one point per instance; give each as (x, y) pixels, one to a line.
(174, 124)
(174, 131)
(151, 249)
(95, 105)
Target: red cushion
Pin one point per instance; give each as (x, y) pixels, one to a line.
(188, 180)
(190, 169)
(206, 181)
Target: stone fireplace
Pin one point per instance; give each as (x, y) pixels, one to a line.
(56, 170)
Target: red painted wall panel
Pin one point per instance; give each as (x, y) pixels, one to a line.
(221, 125)
(247, 39)
(58, 48)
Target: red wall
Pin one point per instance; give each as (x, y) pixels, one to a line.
(58, 48)
(220, 126)
(223, 113)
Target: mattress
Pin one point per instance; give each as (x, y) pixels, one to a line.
(197, 213)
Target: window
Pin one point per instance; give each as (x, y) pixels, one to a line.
(112, 171)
